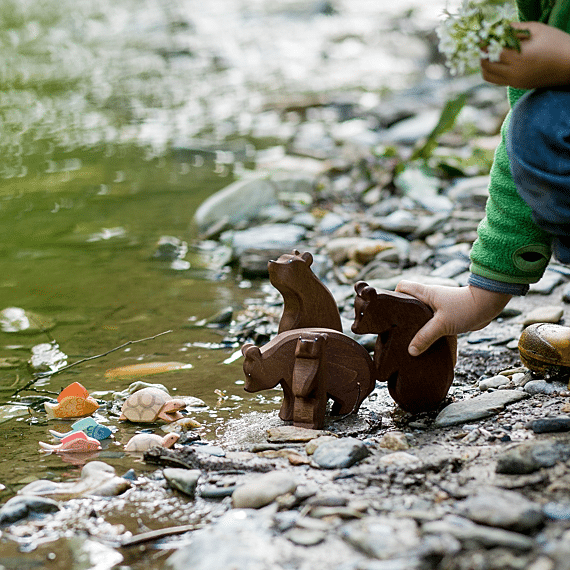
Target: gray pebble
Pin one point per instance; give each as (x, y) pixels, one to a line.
(468, 532)
(382, 537)
(557, 511)
(263, 490)
(340, 453)
(543, 387)
(502, 508)
(530, 457)
(477, 408)
(185, 480)
(549, 425)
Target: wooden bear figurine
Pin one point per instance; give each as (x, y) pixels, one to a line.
(344, 365)
(416, 383)
(307, 302)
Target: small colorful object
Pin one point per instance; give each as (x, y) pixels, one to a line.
(78, 442)
(87, 425)
(151, 404)
(73, 402)
(144, 441)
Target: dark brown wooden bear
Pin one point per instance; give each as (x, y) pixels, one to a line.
(416, 383)
(307, 301)
(340, 367)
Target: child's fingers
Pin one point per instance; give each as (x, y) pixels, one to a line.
(417, 290)
(425, 337)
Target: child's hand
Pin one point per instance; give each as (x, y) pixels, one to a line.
(456, 310)
(544, 59)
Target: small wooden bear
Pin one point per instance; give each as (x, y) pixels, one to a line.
(416, 383)
(307, 301)
(338, 363)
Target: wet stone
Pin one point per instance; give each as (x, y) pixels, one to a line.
(395, 440)
(477, 408)
(549, 425)
(339, 454)
(382, 537)
(267, 236)
(544, 387)
(547, 284)
(530, 457)
(292, 434)
(545, 314)
(493, 382)
(263, 490)
(467, 532)
(184, 480)
(502, 508)
(23, 506)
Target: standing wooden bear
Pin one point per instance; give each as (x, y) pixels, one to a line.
(311, 365)
(416, 383)
(313, 360)
(310, 357)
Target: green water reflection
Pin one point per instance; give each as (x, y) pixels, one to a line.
(77, 247)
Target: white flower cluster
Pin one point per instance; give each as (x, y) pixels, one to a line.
(480, 29)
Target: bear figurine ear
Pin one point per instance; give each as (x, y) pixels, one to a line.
(251, 351)
(307, 258)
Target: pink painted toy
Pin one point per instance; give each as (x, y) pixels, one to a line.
(77, 442)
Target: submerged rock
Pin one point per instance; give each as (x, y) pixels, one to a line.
(17, 320)
(97, 478)
(22, 506)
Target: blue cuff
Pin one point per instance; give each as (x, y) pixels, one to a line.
(497, 286)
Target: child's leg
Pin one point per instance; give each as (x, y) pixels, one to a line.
(538, 145)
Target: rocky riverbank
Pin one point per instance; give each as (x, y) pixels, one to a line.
(481, 483)
(377, 188)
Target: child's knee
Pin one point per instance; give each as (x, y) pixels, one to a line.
(538, 141)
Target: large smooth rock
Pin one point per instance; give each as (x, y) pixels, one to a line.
(245, 199)
(284, 237)
(477, 408)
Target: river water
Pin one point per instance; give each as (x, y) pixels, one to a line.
(117, 121)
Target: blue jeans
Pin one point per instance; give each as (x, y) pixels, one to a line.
(538, 145)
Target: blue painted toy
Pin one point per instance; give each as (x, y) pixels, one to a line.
(87, 425)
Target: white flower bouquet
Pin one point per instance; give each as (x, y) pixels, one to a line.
(479, 30)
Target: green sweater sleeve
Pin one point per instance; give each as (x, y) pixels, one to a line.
(510, 248)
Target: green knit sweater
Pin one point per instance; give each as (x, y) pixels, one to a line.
(511, 248)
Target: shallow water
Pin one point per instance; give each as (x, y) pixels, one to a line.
(103, 288)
